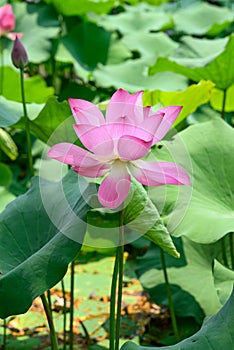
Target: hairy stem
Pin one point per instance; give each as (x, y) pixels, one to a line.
(113, 301)
(53, 337)
(71, 335)
(120, 284)
(27, 125)
(64, 315)
(169, 296)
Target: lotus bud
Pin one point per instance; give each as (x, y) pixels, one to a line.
(19, 55)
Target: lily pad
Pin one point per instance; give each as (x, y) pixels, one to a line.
(34, 252)
(203, 18)
(211, 68)
(150, 45)
(136, 19)
(192, 298)
(132, 76)
(90, 46)
(206, 215)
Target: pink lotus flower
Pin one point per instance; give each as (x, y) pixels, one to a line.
(117, 143)
(7, 22)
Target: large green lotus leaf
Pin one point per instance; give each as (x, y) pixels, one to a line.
(7, 145)
(118, 50)
(218, 68)
(222, 278)
(88, 44)
(11, 112)
(191, 295)
(216, 333)
(39, 23)
(136, 19)
(115, 51)
(150, 44)
(191, 98)
(35, 248)
(131, 75)
(53, 124)
(35, 87)
(216, 99)
(64, 55)
(72, 8)
(200, 48)
(206, 214)
(203, 19)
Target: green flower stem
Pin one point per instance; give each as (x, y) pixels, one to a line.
(49, 300)
(120, 284)
(169, 296)
(71, 335)
(2, 65)
(27, 125)
(53, 337)
(113, 301)
(231, 244)
(224, 103)
(64, 315)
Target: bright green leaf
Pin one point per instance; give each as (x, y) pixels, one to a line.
(191, 98)
(70, 8)
(217, 96)
(35, 87)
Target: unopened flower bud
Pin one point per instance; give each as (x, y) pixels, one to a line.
(19, 55)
